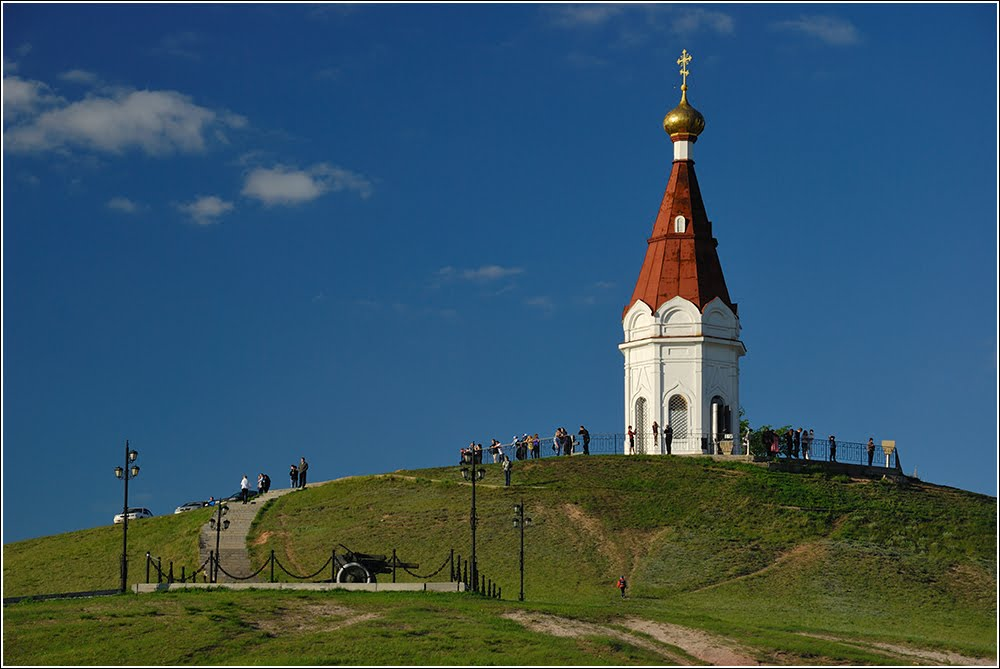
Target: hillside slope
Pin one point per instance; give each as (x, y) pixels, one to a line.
(790, 568)
(719, 545)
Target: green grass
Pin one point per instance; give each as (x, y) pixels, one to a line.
(88, 560)
(272, 628)
(771, 560)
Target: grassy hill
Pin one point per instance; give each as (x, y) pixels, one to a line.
(793, 568)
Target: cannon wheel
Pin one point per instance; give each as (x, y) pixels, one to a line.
(354, 572)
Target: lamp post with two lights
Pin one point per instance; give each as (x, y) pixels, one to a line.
(218, 524)
(520, 522)
(129, 471)
(476, 474)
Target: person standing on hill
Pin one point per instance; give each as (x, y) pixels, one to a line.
(507, 466)
(303, 466)
(870, 447)
(585, 436)
(631, 441)
(293, 476)
(244, 489)
(797, 443)
(807, 441)
(536, 447)
(656, 436)
(621, 585)
(833, 448)
(668, 437)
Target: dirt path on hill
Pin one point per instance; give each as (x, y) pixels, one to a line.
(708, 649)
(916, 655)
(310, 618)
(625, 549)
(807, 551)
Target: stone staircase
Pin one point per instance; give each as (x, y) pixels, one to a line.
(233, 541)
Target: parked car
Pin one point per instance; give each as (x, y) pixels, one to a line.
(190, 506)
(134, 513)
(238, 496)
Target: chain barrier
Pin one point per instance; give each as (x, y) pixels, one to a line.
(162, 576)
(219, 566)
(302, 578)
(432, 574)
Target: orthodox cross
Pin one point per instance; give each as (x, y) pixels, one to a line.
(683, 61)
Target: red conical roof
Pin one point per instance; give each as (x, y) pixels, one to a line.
(681, 263)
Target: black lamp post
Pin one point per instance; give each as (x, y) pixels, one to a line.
(476, 474)
(126, 473)
(218, 524)
(520, 522)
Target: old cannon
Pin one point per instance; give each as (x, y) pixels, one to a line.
(355, 567)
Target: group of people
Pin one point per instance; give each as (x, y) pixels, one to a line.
(297, 474)
(793, 443)
(263, 483)
(527, 447)
(668, 438)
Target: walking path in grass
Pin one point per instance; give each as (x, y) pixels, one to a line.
(926, 656)
(678, 645)
(232, 541)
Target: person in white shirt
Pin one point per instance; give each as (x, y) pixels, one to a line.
(245, 489)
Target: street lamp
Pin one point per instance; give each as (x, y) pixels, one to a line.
(474, 475)
(520, 522)
(218, 524)
(126, 473)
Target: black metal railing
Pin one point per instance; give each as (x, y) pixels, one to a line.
(646, 443)
(458, 570)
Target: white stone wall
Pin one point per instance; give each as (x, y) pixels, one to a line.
(679, 350)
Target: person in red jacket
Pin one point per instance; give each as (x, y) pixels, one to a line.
(621, 585)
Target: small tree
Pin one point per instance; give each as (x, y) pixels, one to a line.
(757, 447)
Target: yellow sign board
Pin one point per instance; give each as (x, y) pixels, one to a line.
(888, 446)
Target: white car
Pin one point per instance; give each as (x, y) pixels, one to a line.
(134, 513)
(190, 506)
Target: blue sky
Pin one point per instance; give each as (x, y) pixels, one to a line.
(367, 235)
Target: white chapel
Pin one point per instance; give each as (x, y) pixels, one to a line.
(682, 343)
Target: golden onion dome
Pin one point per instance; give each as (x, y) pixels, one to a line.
(683, 119)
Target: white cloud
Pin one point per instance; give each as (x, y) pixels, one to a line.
(835, 31)
(123, 204)
(483, 273)
(636, 23)
(286, 185)
(206, 210)
(25, 96)
(690, 21)
(583, 16)
(79, 77)
(157, 122)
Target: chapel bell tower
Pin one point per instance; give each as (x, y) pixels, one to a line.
(682, 343)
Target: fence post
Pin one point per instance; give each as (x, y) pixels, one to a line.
(393, 565)
(483, 588)
(211, 566)
(451, 566)
(147, 566)
(465, 573)
(183, 577)
(170, 574)
(272, 565)
(499, 593)
(333, 566)
(159, 570)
